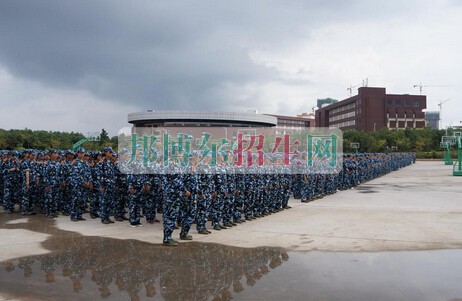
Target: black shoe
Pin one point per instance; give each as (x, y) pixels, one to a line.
(205, 232)
(156, 220)
(176, 226)
(228, 225)
(287, 207)
(186, 237)
(66, 213)
(119, 218)
(238, 222)
(233, 224)
(170, 243)
(106, 222)
(94, 215)
(110, 221)
(248, 218)
(81, 219)
(133, 225)
(74, 219)
(50, 216)
(125, 218)
(218, 228)
(223, 227)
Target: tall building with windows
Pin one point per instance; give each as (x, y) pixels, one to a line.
(298, 122)
(433, 119)
(373, 109)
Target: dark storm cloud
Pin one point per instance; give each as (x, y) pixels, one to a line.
(155, 54)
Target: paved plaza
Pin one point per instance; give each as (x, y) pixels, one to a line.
(416, 208)
(341, 247)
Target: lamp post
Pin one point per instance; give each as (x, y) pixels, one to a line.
(447, 128)
(226, 132)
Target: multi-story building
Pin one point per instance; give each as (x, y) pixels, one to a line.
(372, 109)
(433, 119)
(294, 122)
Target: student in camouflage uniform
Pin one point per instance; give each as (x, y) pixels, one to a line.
(11, 176)
(189, 199)
(95, 193)
(25, 203)
(79, 180)
(174, 191)
(204, 195)
(136, 187)
(107, 178)
(52, 182)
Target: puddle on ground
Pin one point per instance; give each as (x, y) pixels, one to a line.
(98, 268)
(95, 268)
(92, 268)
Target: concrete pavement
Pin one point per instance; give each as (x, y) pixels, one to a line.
(416, 208)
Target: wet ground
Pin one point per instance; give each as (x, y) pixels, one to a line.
(394, 238)
(81, 267)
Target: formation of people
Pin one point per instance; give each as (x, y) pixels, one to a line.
(71, 183)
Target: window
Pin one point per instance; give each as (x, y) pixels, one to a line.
(389, 102)
(407, 103)
(398, 102)
(416, 103)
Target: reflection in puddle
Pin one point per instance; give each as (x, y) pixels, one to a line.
(88, 268)
(97, 268)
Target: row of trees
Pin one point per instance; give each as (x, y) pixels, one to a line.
(416, 140)
(422, 141)
(28, 139)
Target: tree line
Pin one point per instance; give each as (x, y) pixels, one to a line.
(15, 139)
(425, 142)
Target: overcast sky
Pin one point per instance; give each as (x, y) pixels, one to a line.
(83, 65)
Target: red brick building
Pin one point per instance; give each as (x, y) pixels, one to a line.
(372, 109)
(300, 122)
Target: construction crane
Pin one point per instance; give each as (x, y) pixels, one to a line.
(440, 104)
(427, 86)
(364, 84)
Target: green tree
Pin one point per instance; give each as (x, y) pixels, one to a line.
(103, 137)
